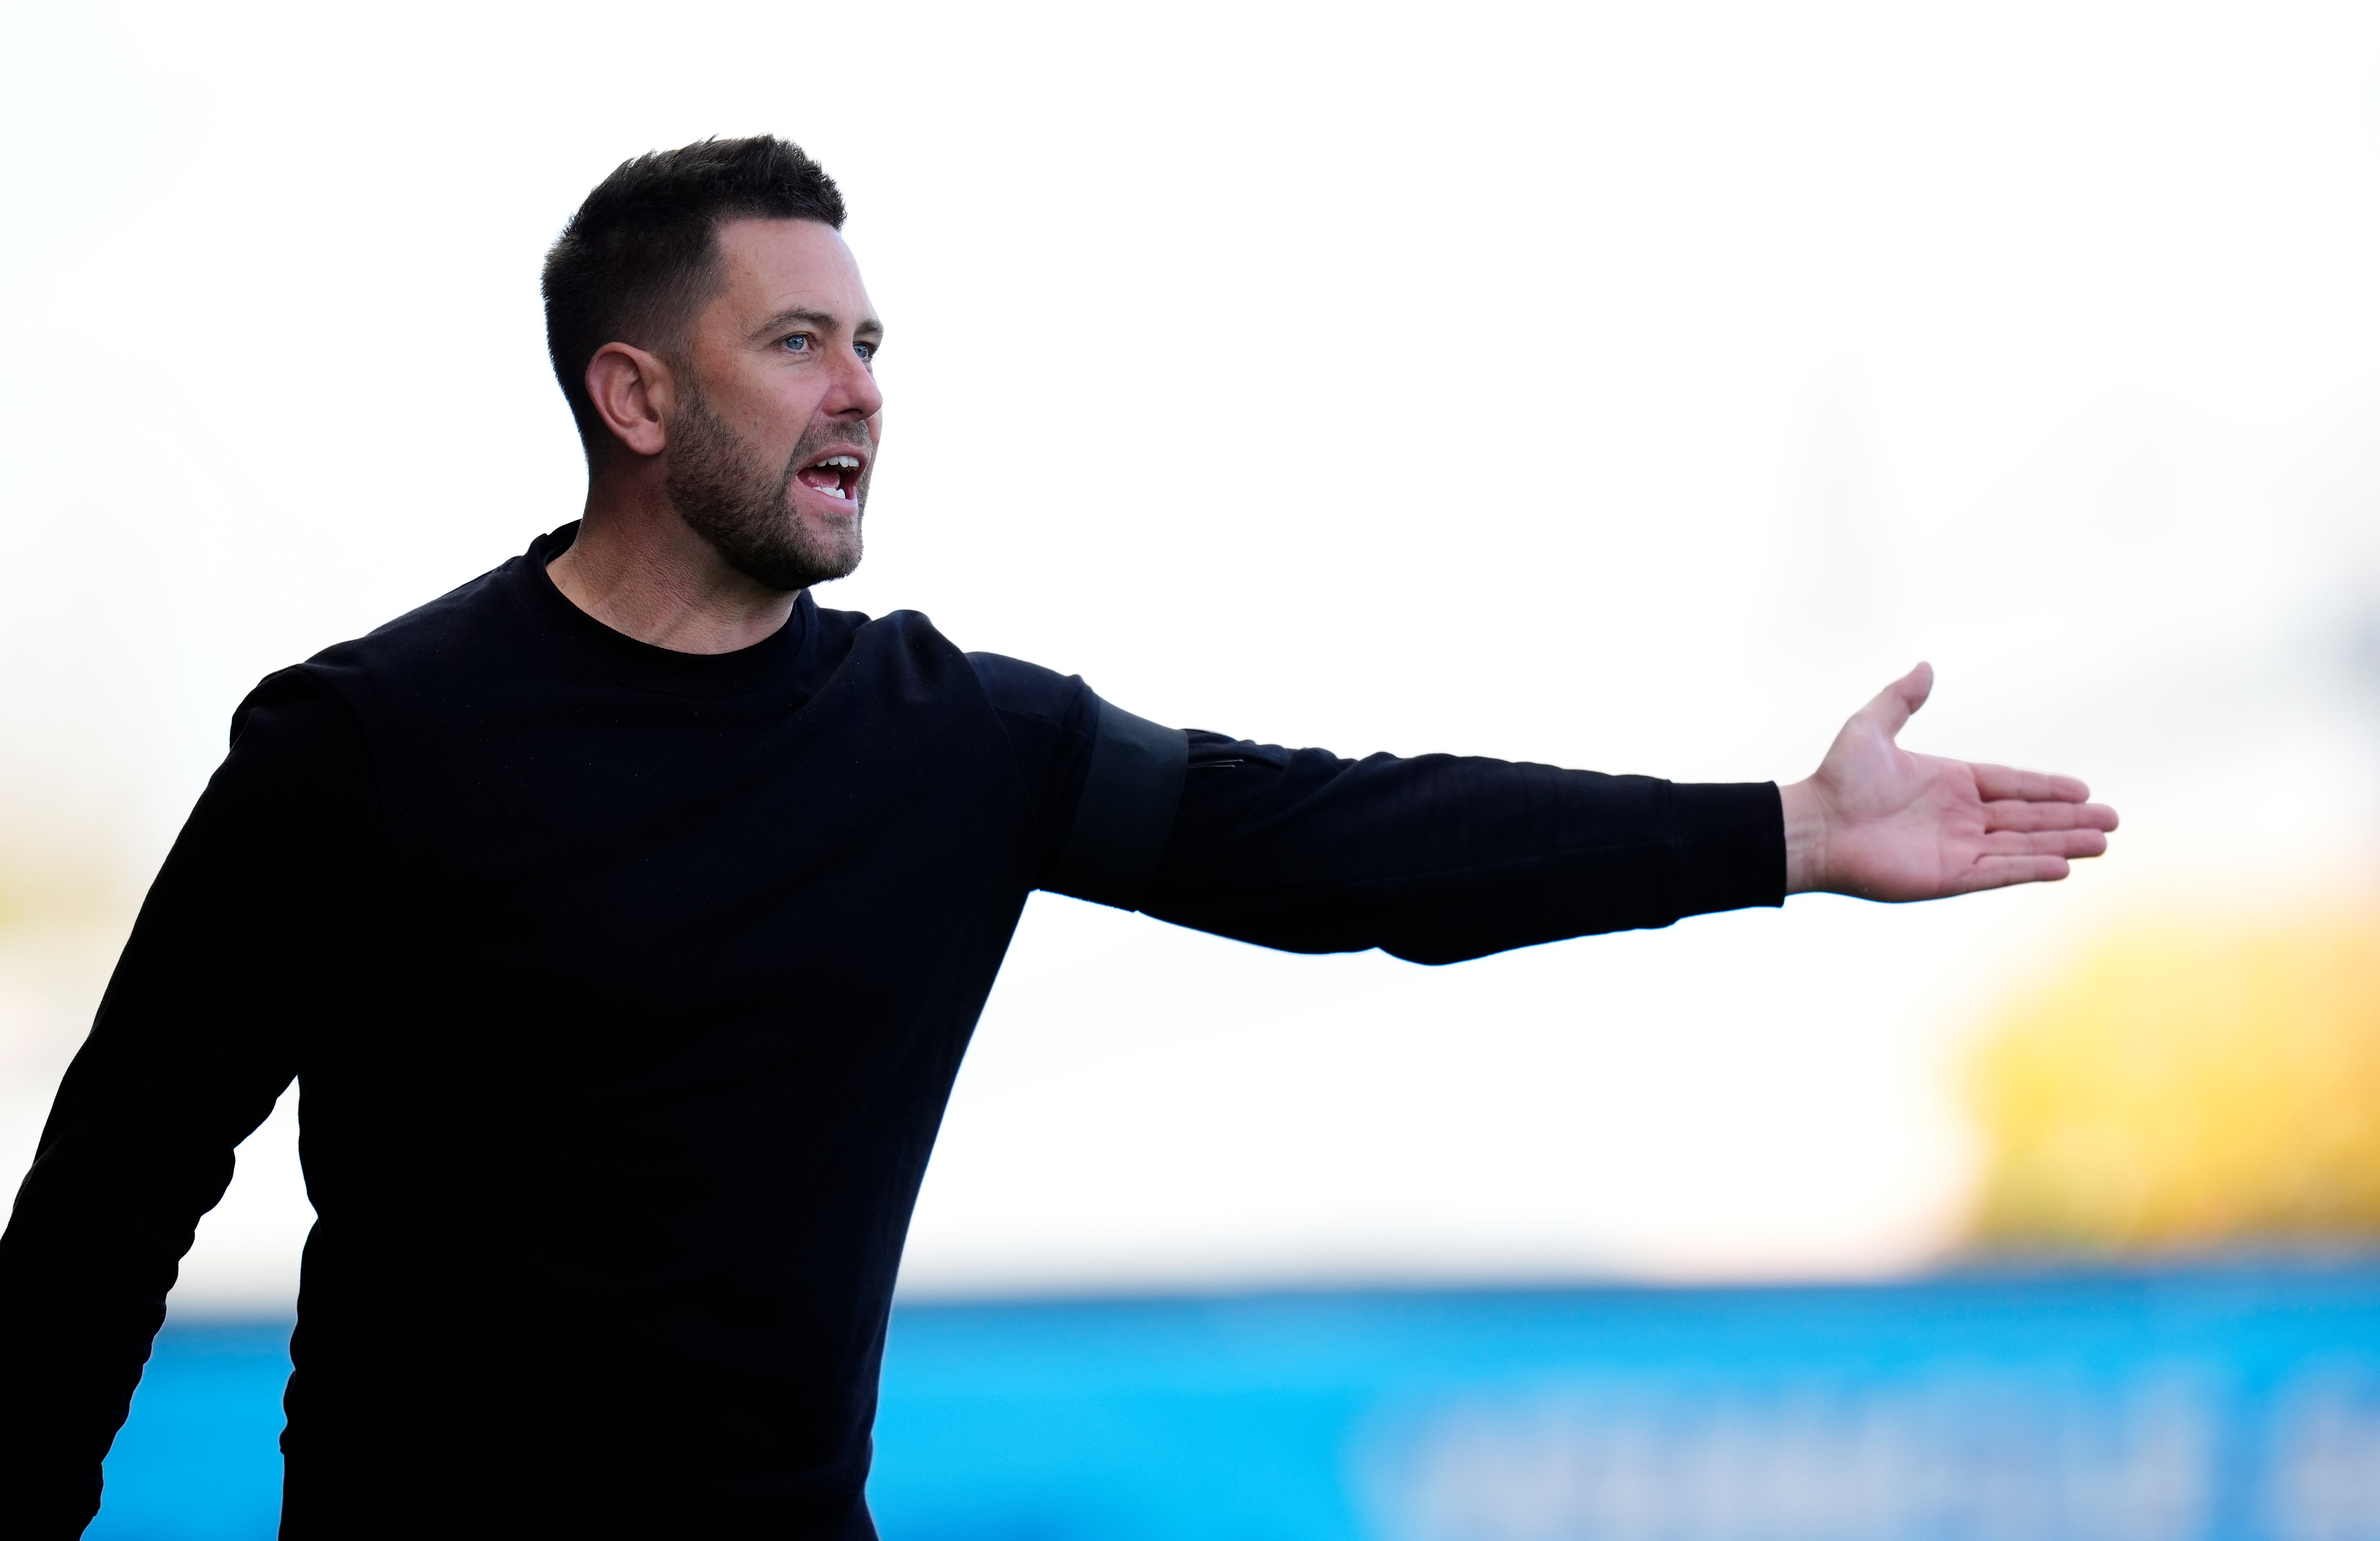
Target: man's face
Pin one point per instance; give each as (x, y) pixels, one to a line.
(772, 438)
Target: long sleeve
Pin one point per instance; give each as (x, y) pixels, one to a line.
(1438, 858)
(1435, 858)
(242, 942)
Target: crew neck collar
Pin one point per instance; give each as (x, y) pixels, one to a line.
(621, 657)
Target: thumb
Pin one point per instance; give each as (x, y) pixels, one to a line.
(1898, 701)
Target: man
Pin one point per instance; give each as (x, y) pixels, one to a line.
(624, 915)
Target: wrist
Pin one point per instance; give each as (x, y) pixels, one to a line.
(1806, 837)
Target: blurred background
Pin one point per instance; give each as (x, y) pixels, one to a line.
(1629, 387)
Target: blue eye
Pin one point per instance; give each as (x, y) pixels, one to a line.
(797, 343)
(866, 351)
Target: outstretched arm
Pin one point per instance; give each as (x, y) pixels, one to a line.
(1879, 822)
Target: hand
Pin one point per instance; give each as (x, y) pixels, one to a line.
(1879, 822)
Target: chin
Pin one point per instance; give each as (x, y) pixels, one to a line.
(837, 553)
(826, 555)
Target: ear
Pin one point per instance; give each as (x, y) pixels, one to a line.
(632, 392)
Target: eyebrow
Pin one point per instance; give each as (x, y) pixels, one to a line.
(868, 326)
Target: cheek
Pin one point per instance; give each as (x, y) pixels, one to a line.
(776, 413)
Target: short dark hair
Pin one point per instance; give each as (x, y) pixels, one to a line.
(642, 253)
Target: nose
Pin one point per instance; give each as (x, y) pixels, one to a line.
(855, 395)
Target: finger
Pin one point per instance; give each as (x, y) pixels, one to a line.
(1995, 781)
(2074, 843)
(2013, 815)
(2003, 871)
(1898, 701)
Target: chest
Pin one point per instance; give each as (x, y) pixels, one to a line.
(629, 866)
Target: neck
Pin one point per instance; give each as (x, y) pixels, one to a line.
(637, 567)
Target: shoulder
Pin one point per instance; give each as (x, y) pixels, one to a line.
(1025, 698)
(427, 634)
(289, 702)
(465, 645)
(293, 740)
(454, 651)
(902, 649)
(1022, 689)
(318, 690)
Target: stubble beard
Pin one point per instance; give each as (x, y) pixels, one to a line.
(727, 496)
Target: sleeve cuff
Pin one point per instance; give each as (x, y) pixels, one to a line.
(1731, 845)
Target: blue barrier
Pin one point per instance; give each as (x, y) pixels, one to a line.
(2237, 1403)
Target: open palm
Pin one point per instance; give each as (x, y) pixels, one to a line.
(1880, 822)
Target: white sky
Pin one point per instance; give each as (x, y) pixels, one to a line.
(1629, 387)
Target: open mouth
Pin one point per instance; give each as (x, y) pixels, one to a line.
(837, 476)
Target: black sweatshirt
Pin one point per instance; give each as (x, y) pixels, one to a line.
(626, 988)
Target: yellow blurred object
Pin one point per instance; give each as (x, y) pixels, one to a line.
(2188, 1088)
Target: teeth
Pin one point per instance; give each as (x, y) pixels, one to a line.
(847, 462)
